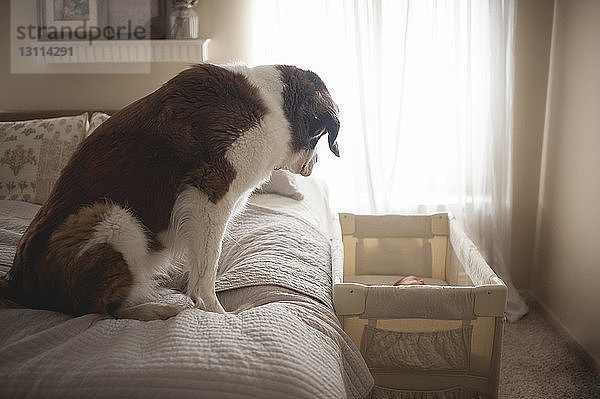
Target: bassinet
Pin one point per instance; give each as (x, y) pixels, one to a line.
(439, 340)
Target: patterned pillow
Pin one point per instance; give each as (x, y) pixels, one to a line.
(96, 120)
(33, 153)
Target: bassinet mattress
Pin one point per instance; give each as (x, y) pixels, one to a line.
(275, 262)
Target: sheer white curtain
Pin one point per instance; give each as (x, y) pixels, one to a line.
(425, 95)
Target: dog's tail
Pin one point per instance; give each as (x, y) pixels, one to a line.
(5, 301)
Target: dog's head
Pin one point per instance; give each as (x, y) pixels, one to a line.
(311, 113)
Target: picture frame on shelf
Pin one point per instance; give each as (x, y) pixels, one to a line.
(60, 18)
(114, 19)
(129, 19)
(71, 11)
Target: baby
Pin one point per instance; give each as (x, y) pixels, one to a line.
(410, 280)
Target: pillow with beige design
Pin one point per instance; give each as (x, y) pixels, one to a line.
(33, 153)
(96, 120)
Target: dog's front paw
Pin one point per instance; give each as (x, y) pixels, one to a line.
(198, 303)
(208, 304)
(202, 292)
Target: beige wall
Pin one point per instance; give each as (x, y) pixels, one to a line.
(533, 33)
(222, 20)
(566, 276)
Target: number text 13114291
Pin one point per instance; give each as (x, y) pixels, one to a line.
(51, 51)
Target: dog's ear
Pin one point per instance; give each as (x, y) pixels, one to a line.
(333, 127)
(325, 123)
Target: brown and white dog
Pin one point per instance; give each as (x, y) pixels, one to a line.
(162, 177)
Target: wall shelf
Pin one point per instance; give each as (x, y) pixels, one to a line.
(128, 51)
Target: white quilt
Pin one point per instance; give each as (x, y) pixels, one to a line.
(288, 344)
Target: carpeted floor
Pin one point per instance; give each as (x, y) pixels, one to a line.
(538, 363)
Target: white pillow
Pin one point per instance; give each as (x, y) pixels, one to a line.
(96, 120)
(33, 153)
(283, 183)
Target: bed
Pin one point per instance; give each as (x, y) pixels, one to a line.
(287, 342)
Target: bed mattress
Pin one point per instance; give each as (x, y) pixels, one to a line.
(275, 263)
